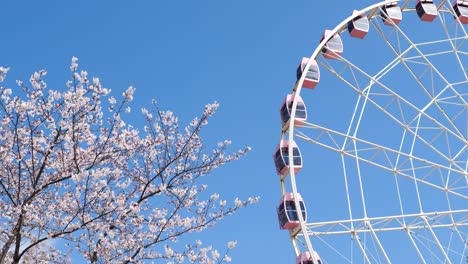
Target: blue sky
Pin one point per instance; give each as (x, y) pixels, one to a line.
(185, 54)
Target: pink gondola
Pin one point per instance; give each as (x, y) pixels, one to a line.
(461, 10)
(281, 158)
(359, 25)
(334, 46)
(427, 10)
(306, 258)
(301, 111)
(287, 213)
(312, 76)
(391, 13)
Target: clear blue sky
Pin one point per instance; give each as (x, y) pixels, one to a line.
(185, 54)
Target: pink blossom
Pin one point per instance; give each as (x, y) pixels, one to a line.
(89, 176)
(3, 72)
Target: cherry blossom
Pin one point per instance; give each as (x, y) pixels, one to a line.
(3, 72)
(77, 171)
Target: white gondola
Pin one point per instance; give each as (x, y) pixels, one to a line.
(281, 158)
(334, 46)
(287, 212)
(306, 258)
(461, 10)
(427, 10)
(359, 26)
(286, 108)
(312, 77)
(391, 14)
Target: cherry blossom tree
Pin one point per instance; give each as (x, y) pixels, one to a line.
(75, 173)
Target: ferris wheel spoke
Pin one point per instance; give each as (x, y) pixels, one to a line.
(453, 40)
(420, 229)
(458, 232)
(415, 246)
(359, 176)
(346, 182)
(396, 48)
(395, 175)
(336, 251)
(377, 240)
(399, 120)
(436, 240)
(441, 4)
(413, 171)
(369, 247)
(427, 244)
(369, 151)
(414, 222)
(361, 247)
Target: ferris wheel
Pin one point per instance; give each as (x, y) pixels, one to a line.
(373, 155)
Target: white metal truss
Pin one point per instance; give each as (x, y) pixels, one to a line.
(426, 156)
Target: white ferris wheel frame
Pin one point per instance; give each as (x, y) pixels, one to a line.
(366, 224)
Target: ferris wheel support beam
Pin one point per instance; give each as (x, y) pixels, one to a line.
(395, 175)
(361, 247)
(388, 223)
(369, 226)
(380, 74)
(348, 198)
(390, 169)
(363, 200)
(412, 167)
(465, 240)
(413, 74)
(352, 121)
(361, 188)
(405, 4)
(421, 257)
(376, 81)
(435, 69)
(310, 231)
(424, 218)
(400, 153)
(455, 50)
(405, 126)
(441, 4)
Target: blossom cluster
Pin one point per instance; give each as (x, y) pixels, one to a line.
(76, 171)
